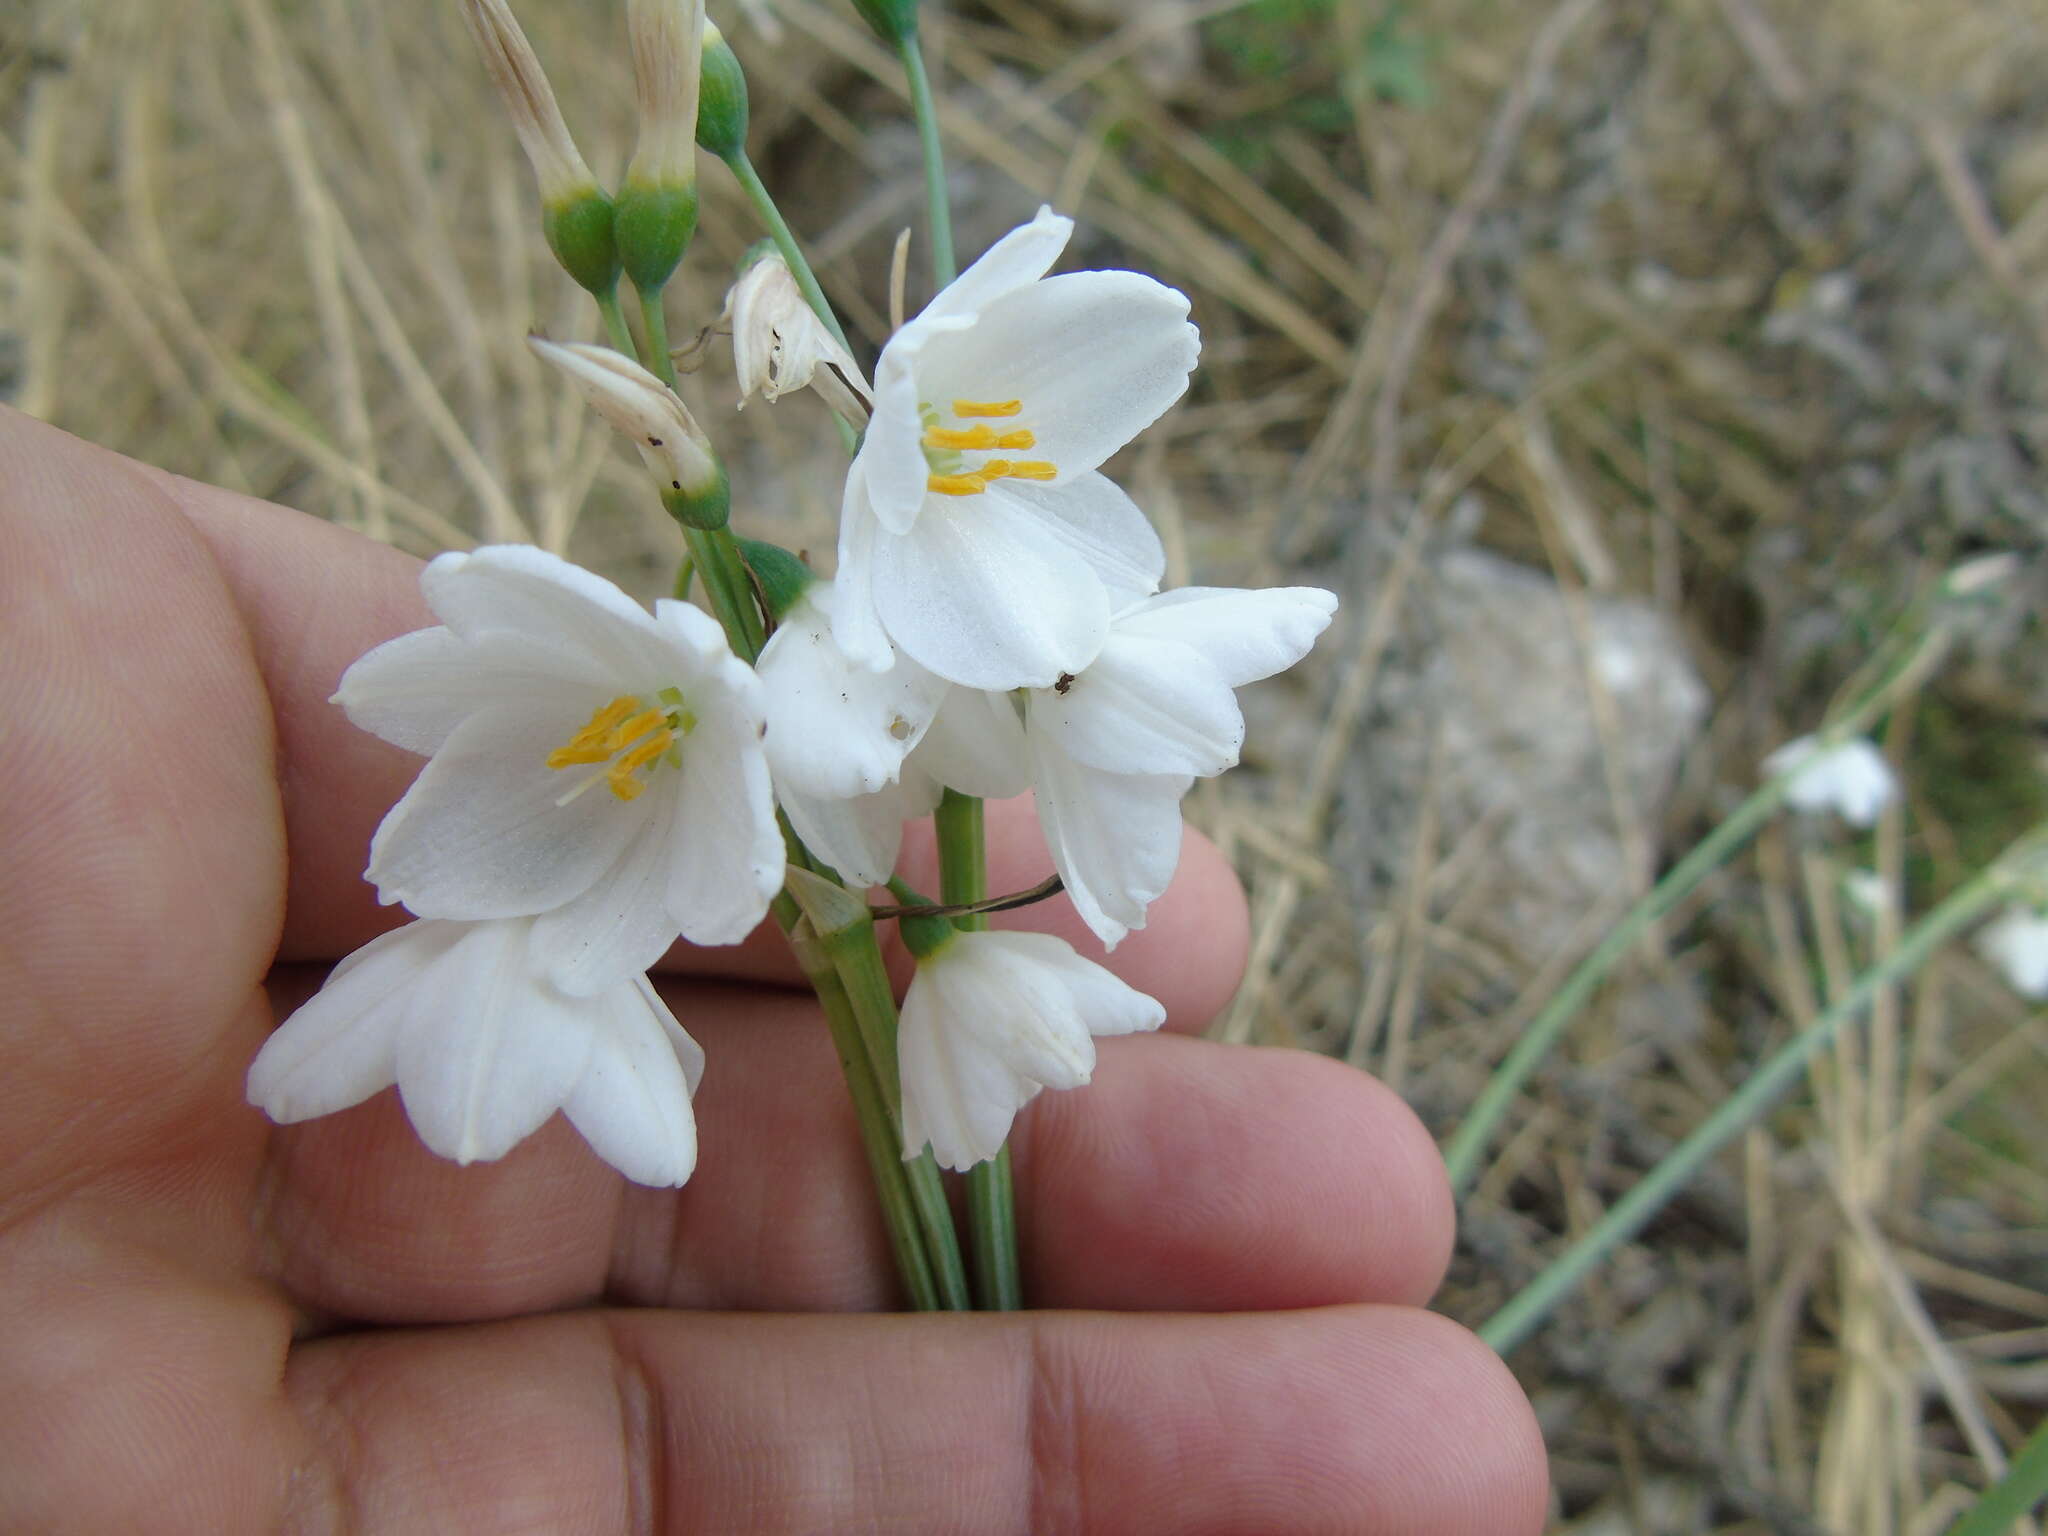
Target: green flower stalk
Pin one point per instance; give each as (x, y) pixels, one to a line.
(894, 21)
(576, 216)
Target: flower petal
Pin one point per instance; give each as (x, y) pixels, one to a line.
(1244, 635)
(1105, 1002)
(621, 925)
(1114, 838)
(526, 591)
(975, 745)
(1850, 778)
(1144, 706)
(481, 833)
(341, 1045)
(2017, 943)
(413, 691)
(726, 857)
(979, 595)
(489, 1050)
(1095, 357)
(836, 728)
(855, 623)
(860, 837)
(632, 1103)
(1022, 256)
(1090, 515)
(891, 456)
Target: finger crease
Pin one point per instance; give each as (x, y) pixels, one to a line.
(643, 1434)
(1054, 1491)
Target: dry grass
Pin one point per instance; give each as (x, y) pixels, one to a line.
(1585, 305)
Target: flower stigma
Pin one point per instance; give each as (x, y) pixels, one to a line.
(951, 475)
(626, 735)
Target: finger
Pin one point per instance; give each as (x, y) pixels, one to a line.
(1361, 1421)
(1188, 1175)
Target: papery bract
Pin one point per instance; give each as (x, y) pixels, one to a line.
(484, 1049)
(989, 1020)
(975, 533)
(594, 765)
(1850, 778)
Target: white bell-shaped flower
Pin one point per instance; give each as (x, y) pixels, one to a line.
(593, 765)
(989, 1020)
(2016, 941)
(1851, 778)
(483, 1048)
(1115, 746)
(975, 532)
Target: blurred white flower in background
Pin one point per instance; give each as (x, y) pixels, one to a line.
(1851, 779)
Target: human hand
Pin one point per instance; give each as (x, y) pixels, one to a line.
(211, 1324)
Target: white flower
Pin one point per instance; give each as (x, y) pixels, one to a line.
(672, 445)
(989, 1020)
(2016, 941)
(594, 765)
(1114, 747)
(779, 343)
(484, 1049)
(1851, 779)
(975, 532)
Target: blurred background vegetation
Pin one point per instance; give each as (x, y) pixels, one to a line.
(1627, 367)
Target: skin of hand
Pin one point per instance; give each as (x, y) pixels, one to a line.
(211, 1324)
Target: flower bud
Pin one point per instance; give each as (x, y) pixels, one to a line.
(674, 447)
(657, 203)
(894, 21)
(780, 344)
(575, 216)
(721, 99)
(783, 576)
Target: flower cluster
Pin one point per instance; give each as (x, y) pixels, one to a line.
(602, 780)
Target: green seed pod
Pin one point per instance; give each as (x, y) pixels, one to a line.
(707, 504)
(894, 21)
(722, 99)
(652, 225)
(783, 577)
(579, 231)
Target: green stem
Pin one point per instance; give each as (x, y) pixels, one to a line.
(615, 322)
(724, 576)
(2024, 1485)
(991, 1191)
(881, 1141)
(1528, 1307)
(940, 209)
(1469, 1142)
(654, 321)
(792, 254)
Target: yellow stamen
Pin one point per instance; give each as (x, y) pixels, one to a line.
(1021, 438)
(637, 727)
(957, 485)
(1030, 469)
(960, 437)
(987, 407)
(593, 743)
(620, 777)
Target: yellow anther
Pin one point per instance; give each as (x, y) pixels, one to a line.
(994, 469)
(624, 788)
(987, 407)
(1032, 469)
(620, 776)
(600, 726)
(957, 485)
(961, 437)
(637, 727)
(1021, 438)
(571, 755)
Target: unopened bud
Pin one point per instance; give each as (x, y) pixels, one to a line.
(674, 447)
(575, 216)
(782, 575)
(657, 203)
(894, 21)
(780, 344)
(721, 98)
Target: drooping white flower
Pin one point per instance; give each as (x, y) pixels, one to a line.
(1115, 746)
(779, 343)
(593, 765)
(2016, 941)
(483, 1048)
(1852, 779)
(975, 532)
(991, 1018)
